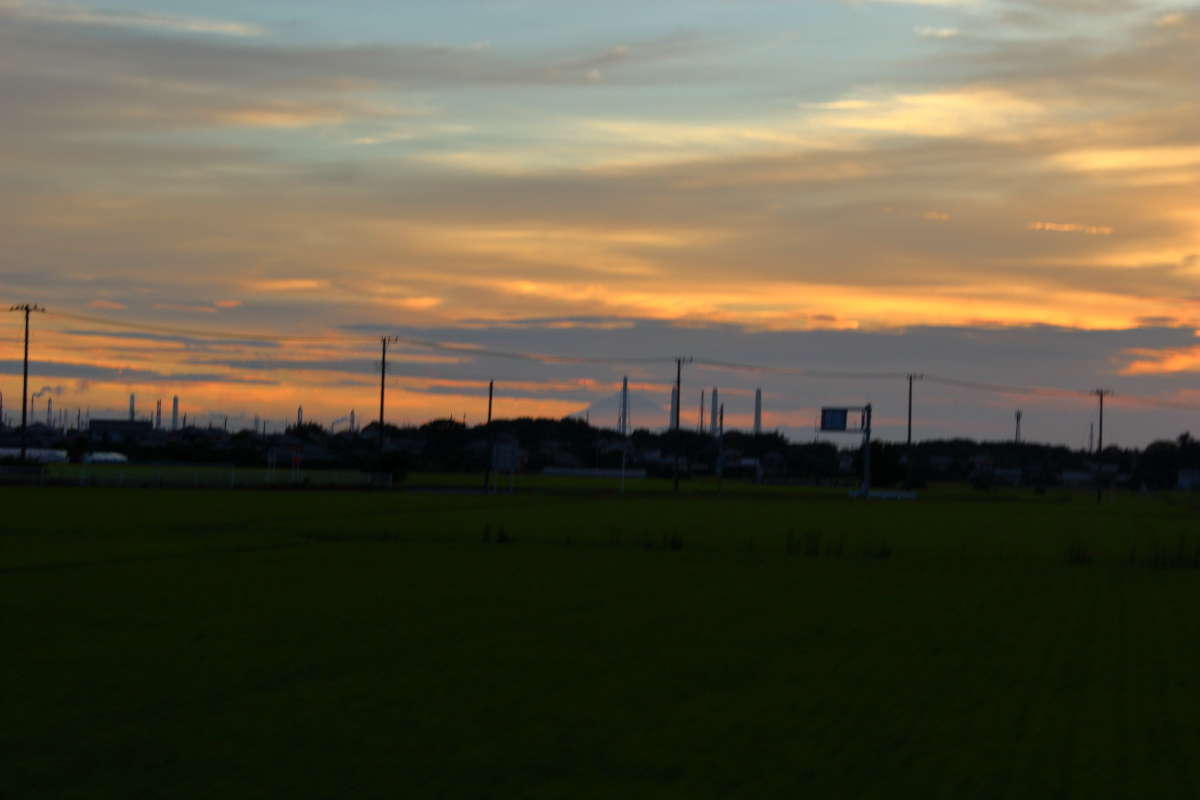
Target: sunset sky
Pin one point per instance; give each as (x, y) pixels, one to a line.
(1000, 191)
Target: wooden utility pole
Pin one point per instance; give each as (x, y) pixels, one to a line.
(487, 473)
(908, 454)
(27, 308)
(1100, 394)
(679, 362)
(383, 343)
(911, 377)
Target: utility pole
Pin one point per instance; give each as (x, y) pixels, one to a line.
(624, 418)
(26, 307)
(383, 343)
(912, 376)
(1100, 394)
(908, 454)
(866, 423)
(720, 447)
(679, 362)
(487, 473)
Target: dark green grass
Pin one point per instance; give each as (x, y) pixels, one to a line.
(205, 644)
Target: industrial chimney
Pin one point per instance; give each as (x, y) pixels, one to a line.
(758, 412)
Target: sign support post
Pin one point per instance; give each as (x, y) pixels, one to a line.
(836, 420)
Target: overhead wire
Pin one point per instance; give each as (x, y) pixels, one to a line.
(195, 333)
(465, 349)
(1045, 391)
(801, 371)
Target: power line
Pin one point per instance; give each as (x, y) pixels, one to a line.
(544, 358)
(192, 332)
(411, 341)
(466, 349)
(999, 388)
(801, 371)
(1049, 391)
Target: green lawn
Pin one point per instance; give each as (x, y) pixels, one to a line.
(779, 644)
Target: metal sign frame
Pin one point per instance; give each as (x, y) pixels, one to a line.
(864, 428)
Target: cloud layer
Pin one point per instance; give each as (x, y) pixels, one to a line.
(960, 166)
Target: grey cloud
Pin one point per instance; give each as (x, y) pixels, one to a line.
(197, 63)
(162, 337)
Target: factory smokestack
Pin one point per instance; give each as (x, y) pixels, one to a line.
(758, 412)
(49, 412)
(131, 407)
(175, 413)
(158, 414)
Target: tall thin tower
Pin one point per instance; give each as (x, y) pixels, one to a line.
(158, 414)
(1017, 437)
(175, 413)
(131, 407)
(712, 419)
(758, 412)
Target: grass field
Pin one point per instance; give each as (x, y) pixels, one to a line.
(214, 643)
(214, 477)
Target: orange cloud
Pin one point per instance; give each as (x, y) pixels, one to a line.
(286, 285)
(1160, 362)
(1070, 227)
(107, 305)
